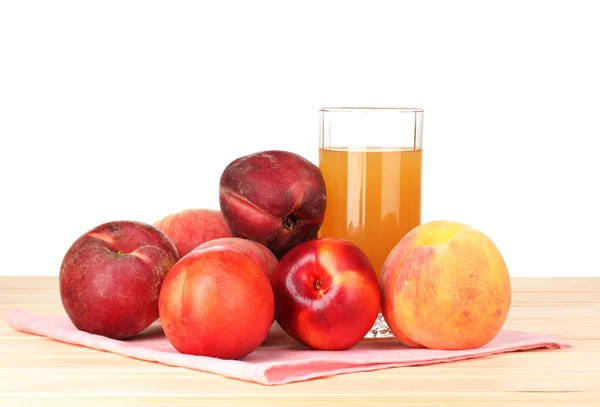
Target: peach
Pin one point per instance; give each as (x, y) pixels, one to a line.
(326, 294)
(191, 227)
(265, 259)
(445, 285)
(216, 302)
(111, 276)
(276, 198)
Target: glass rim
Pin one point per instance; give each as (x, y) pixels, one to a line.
(358, 109)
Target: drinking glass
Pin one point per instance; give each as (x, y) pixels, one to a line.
(371, 160)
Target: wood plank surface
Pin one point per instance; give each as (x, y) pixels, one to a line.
(37, 371)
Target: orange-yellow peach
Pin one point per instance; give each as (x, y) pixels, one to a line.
(445, 285)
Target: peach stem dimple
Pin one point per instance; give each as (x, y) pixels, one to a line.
(289, 222)
(317, 285)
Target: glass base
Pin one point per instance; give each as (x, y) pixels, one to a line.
(379, 329)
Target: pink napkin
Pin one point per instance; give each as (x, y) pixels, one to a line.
(280, 359)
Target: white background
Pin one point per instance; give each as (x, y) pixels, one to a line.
(130, 110)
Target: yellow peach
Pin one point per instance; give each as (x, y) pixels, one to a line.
(445, 285)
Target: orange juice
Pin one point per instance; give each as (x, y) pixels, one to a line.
(373, 197)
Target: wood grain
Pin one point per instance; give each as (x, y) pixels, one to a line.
(38, 371)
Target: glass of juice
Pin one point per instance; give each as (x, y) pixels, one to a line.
(371, 160)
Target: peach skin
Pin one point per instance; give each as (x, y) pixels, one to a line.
(445, 285)
(191, 227)
(265, 259)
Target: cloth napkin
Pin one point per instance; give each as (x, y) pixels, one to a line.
(280, 359)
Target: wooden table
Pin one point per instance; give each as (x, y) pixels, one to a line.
(40, 372)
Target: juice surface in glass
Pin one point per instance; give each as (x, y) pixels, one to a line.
(373, 197)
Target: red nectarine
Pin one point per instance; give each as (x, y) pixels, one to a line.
(276, 198)
(326, 294)
(216, 302)
(110, 278)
